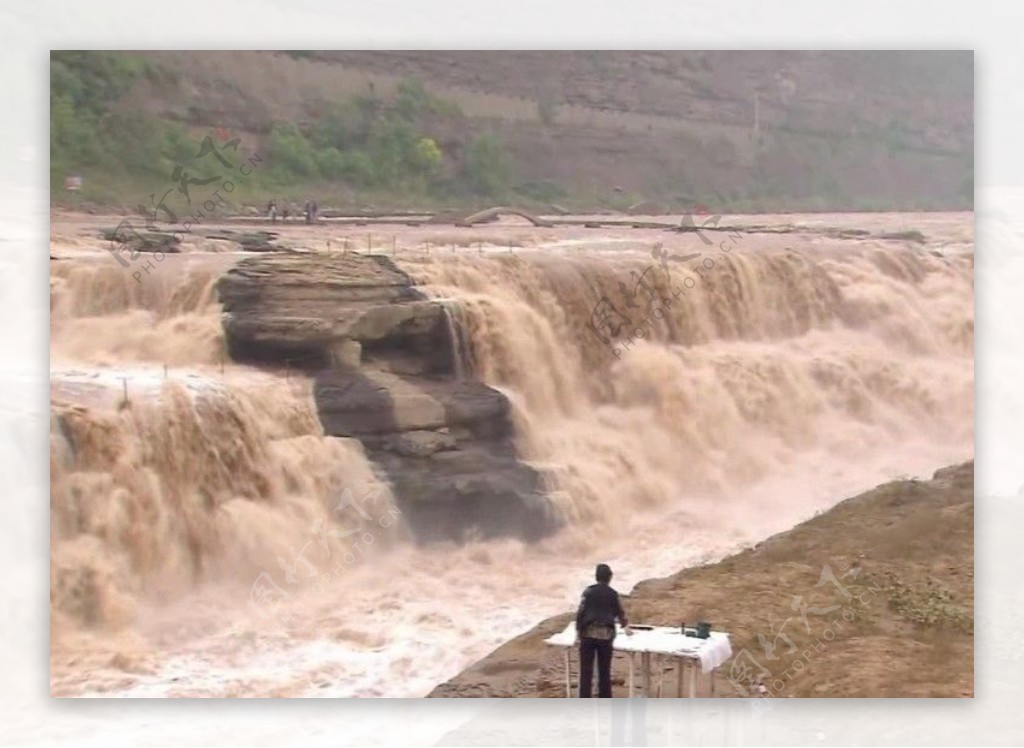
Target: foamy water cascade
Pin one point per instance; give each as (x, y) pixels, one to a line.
(778, 381)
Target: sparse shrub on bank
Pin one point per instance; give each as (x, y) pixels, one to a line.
(929, 606)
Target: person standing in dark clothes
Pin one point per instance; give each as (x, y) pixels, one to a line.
(595, 628)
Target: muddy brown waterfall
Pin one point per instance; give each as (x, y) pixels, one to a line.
(796, 368)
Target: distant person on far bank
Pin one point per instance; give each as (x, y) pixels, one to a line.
(599, 609)
(310, 210)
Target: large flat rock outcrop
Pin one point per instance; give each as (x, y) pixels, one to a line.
(382, 358)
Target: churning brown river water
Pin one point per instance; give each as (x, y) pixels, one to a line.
(796, 369)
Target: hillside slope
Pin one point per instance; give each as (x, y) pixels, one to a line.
(734, 130)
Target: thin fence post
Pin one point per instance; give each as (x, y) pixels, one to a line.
(394, 246)
(165, 371)
(124, 391)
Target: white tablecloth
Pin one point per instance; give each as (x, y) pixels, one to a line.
(711, 652)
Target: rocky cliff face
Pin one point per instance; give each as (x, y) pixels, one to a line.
(385, 363)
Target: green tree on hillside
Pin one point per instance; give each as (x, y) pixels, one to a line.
(488, 168)
(427, 156)
(290, 153)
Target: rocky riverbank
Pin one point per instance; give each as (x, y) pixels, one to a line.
(873, 598)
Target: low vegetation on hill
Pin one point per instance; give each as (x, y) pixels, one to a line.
(583, 130)
(363, 142)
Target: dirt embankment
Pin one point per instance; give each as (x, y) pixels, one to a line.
(874, 598)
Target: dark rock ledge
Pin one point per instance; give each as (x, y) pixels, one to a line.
(383, 359)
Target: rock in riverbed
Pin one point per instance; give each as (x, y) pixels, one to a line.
(382, 359)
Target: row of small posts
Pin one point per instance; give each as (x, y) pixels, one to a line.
(346, 245)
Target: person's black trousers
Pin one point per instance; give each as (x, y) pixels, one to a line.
(602, 650)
